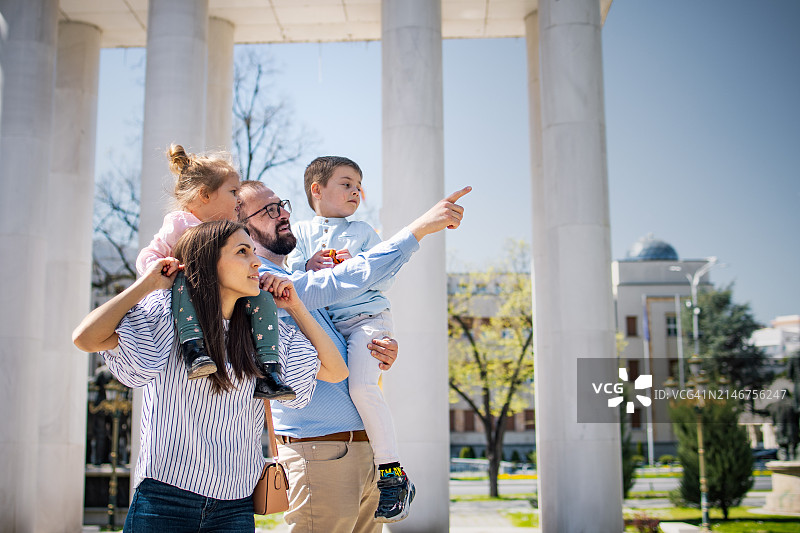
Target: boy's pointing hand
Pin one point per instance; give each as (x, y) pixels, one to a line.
(445, 214)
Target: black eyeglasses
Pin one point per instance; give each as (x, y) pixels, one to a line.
(273, 210)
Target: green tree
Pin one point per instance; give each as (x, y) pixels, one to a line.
(466, 452)
(491, 346)
(628, 455)
(728, 459)
(725, 328)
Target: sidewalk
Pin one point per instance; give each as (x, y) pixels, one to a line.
(486, 517)
(468, 517)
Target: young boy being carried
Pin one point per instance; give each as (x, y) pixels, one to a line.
(333, 188)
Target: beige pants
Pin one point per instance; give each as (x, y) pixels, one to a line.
(332, 487)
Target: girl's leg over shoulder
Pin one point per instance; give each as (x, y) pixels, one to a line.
(198, 363)
(266, 336)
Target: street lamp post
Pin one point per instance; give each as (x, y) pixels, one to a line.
(698, 382)
(115, 404)
(694, 281)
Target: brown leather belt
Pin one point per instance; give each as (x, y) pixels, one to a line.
(342, 436)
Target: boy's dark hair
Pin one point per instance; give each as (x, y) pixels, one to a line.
(199, 250)
(321, 169)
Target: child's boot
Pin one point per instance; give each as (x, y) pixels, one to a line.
(198, 363)
(271, 386)
(397, 493)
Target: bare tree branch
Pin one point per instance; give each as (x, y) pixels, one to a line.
(263, 135)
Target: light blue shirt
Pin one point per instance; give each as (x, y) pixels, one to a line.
(326, 233)
(331, 410)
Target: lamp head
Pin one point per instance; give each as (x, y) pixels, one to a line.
(115, 390)
(695, 363)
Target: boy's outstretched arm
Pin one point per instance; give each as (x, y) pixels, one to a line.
(445, 214)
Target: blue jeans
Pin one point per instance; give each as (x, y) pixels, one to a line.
(157, 506)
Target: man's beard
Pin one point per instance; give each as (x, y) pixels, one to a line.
(277, 244)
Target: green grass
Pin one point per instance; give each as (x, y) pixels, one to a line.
(784, 525)
(268, 521)
(687, 514)
(523, 518)
(647, 494)
(740, 520)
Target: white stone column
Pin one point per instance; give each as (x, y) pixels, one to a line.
(219, 89)
(768, 432)
(175, 99)
(752, 435)
(27, 57)
(579, 464)
(70, 195)
(174, 111)
(413, 177)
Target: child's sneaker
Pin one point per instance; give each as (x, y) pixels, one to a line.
(271, 386)
(397, 493)
(198, 363)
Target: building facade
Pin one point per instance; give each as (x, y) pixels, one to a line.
(652, 287)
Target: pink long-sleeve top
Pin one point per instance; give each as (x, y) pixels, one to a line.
(175, 223)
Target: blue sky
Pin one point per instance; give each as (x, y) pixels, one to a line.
(703, 133)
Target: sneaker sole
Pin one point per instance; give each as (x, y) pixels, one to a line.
(202, 371)
(404, 513)
(278, 397)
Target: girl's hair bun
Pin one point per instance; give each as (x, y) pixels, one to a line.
(178, 159)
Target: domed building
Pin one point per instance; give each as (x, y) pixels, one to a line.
(652, 280)
(648, 248)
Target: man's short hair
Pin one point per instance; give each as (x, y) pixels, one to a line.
(247, 186)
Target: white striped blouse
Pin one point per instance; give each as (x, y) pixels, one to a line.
(191, 438)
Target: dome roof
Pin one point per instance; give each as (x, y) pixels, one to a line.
(648, 248)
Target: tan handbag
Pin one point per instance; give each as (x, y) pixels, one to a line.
(271, 494)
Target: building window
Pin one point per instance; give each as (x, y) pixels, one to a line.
(630, 325)
(672, 326)
(530, 419)
(452, 420)
(469, 420)
(636, 419)
(510, 423)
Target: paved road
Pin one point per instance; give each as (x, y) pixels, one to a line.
(504, 486)
(667, 484)
(521, 486)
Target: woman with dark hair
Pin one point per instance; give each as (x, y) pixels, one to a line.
(200, 454)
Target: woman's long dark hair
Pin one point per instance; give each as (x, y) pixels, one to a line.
(199, 250)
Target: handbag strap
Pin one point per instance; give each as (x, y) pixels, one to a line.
(273, 444)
